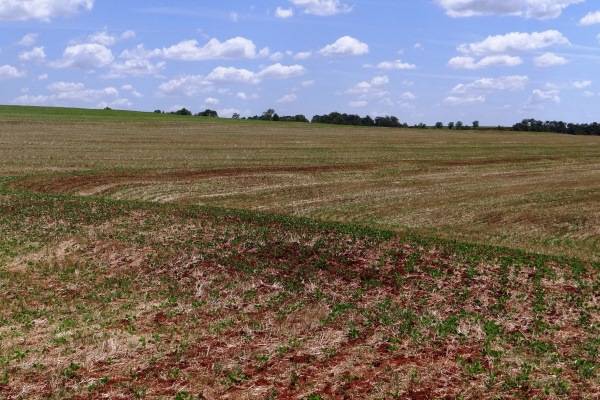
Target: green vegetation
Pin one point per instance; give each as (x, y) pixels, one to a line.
(119, 278)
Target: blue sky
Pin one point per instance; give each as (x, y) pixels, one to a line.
(421, 60)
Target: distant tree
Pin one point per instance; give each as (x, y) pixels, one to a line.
(235, 116)
(459, 125)
(268, 115)
(450, 125)
(183, 111)
(157, 112)
(275, 117)
(208, 113)
(475, 124)
(439, 125)
(107, 109)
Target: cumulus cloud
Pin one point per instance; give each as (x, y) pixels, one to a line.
(591, 18)
(396, 64)
(512, 83)
(375, 88)
(279, 71)
(476, 91)
(75, 93)
(211, 101)
(86, 56)
(322, 8)
(190, 50)
(37, 54)
(191, 85)
(549, 60)
(10, 72)
(43, 10)
(541, 9)
(515, 41)
(582, 84)
(462, 100)
(136, 62)
(284, 13)
(345, 46)
(288, 98)
(500, 60)
(28, 40)
(539, 96)
(302, 55)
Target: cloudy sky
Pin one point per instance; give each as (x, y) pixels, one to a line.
(421, 60)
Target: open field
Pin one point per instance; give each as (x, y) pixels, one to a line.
(538, 192)
(126, 273)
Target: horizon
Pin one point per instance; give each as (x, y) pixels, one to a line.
(424, 62)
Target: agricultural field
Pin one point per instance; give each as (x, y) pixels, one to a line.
(157, 256)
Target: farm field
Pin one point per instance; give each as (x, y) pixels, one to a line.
(532, 191)
(153, 256)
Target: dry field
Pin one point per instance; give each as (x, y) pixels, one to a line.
(538, 192)
(344, 273)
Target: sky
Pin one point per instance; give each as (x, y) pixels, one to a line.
(421, 60)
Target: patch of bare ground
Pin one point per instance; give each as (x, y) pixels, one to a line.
(166, 302)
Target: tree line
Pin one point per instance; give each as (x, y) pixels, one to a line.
(532, 125)
(390, 121)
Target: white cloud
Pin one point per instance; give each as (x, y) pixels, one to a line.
(462, 100)
(302, 55)
(190, 50)
(87, 56)
(463, 62)
(74, 93)
(135, 67)
(277, 56)
(512, 83)
(541, 9)
(245, 96)
(288, 98)
(322, 8)
(345, 46)
(397, 64)
(408, 96)
(591, 18)
(582, 84)
(373, 88)
(103, 38)
(232, 74)
(36, 54)
(44, 10)
(129, 88)
(42, 77)
(515, 41)
(308, 83)
(358, 104)
(542, 96)
(549, 60)
(28, 40)
(191, 85)
(211, 101)
(10, 72)
(284, 12)
(128, 35)
(279, 71)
